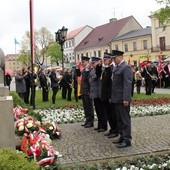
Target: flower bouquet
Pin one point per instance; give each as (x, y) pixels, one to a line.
(37, 146)
(26, 125)
(19, 112)
(52, 129)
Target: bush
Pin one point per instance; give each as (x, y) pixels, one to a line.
(13, 160)
(17, 100)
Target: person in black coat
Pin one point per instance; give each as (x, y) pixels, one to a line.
(8, 79)
(85, 91)
(104, 72)
(44, 85)
(121, 96)
(75, 83)
(54, 84)
(69, 84)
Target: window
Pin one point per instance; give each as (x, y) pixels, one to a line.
(162, 43)
(69, 43)
(72, 42)
(99, 53)
(106, 50)
(87, 54)
(94, 53)
(134, 46)
(78, 57)
(145, 44)
(116, 47)
(126, 47)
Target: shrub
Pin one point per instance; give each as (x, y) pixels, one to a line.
(17, 100)
(13, 160)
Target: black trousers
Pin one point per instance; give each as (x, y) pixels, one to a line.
(123, 121)
(110, 113)
(88, 109)
(69, 91)
(75, 94)
(55, 90)
(148, 86)
(44, 94)
(27, 94)
(64, 92)
(102, 120)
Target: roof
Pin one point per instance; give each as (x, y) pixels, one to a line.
(135, 33)
(73, 33)
(103, 34)
(11, 57)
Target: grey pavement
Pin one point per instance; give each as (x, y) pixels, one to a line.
(82, 145)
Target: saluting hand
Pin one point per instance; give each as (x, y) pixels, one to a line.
(125, 103)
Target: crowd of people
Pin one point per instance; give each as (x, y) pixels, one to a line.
(106, 88)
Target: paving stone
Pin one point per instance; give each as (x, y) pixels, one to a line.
(79, 144)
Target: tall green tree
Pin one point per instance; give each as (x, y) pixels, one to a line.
(164, 14)
(42, 38)
(54, 53)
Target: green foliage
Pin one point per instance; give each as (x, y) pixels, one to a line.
(54, 52)
(35, 115)
(112, 165)
(13, 160)
(17, 101)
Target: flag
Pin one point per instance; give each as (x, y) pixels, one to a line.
(160, 66)
(15, 41)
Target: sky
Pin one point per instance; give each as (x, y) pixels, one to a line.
(73, 14)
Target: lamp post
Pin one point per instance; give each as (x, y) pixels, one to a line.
(60, 37)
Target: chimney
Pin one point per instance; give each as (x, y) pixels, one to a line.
(113, 19)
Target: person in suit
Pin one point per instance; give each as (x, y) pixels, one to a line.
(94, 94)
(85, 91)
(44, 85)
(146, 73)
(104, 72)
(166, 74)
(69, 83)
(121, 96)
(75, 83)
(154, 76)
(54, 84)
(8, 79)
(20, 83)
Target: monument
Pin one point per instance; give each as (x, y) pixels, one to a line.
(7, 133)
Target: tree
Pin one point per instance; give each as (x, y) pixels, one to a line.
(42, 38)
(164, 14)
(54, 53)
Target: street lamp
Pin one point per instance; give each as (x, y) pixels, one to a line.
(60, 37)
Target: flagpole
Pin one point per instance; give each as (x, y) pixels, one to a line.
(32, 52)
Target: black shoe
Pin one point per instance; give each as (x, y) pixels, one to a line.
(117, 141)
(84, 124)
(113, 135)
(96, 128)
(107, 134)
(123, 144)
(88, 126)
(101, 130)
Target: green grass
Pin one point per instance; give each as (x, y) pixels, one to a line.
(59, 101)
(63, 102)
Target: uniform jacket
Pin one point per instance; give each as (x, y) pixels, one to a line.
(122, 78)
(85, 84)
(94, 84)
(43, 81)
(105, 83)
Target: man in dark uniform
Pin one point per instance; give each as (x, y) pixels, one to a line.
(146, 73)
(104, 72)
(94, 94)
(85, 91)
(122, 78)
(44, 85)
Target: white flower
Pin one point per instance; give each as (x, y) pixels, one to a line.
(20, 123)
(30, 125)
(21, 128)
(124, 168)
(51, 128)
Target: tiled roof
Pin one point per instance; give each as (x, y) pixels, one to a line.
(73, 33)
(135, 33)
(11, 57)
(103, 34)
